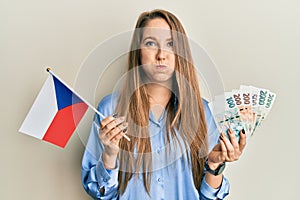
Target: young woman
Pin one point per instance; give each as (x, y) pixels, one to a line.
(175, 150)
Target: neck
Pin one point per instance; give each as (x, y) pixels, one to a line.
(158, 94)
(159, 97)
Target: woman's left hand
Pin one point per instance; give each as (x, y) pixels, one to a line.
(227, 150)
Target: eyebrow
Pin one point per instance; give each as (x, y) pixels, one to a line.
(149, 37)
(153, 38)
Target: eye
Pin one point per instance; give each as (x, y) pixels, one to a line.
(150, 44)
(170, 44)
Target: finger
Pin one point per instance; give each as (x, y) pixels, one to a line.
(243, 139)
(217, 147)
(120, 128)
(233, 139)
(113, 124)
(112, 129)
(106, 131)
(223, 154)
(113, 133)
(118, 137)
(229, 147)
(108, 119)
(123, 126)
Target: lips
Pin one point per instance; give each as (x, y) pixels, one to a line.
(161, 66)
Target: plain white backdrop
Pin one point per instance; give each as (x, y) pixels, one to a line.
(254, 42)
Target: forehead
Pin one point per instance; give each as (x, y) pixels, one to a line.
(157, 27)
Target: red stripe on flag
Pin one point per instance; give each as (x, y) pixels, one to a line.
(64, 124)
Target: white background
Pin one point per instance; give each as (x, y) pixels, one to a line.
(252, 42)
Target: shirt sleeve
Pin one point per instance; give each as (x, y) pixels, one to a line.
(96, 180)
(212, 130)
(207, 192)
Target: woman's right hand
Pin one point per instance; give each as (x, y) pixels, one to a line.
(111, 131)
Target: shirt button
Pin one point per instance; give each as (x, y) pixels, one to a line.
(159, 180)
(158, 151)
(105, 180)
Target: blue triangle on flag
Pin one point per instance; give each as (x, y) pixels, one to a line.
(64, 96)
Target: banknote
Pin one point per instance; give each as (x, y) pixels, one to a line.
(243, 101)
(244, 108)
(226, 114)
(264, 104)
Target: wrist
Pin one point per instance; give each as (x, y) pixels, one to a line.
(213, 165)
(214, 168)
(109, 161)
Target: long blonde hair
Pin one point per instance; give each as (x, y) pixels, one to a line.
(186, 116)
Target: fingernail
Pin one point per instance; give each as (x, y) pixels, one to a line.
(228, 131)
(243, 131)
(221, 136)
(115, 115)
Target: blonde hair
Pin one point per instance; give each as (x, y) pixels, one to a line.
(187, 116)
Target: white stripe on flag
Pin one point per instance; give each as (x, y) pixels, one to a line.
(42, 111)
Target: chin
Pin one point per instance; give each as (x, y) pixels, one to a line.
(162, 80)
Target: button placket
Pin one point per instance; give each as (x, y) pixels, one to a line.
(158, 151)
(160, 184)
(160, 180)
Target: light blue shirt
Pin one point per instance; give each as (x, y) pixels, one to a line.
(171, 178)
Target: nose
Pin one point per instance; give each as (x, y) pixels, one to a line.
(161, 55)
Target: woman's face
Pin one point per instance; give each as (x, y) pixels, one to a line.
(157, 55)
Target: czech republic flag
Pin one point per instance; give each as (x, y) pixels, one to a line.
(55, 113)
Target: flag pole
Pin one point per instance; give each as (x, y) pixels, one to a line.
(85, 101)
